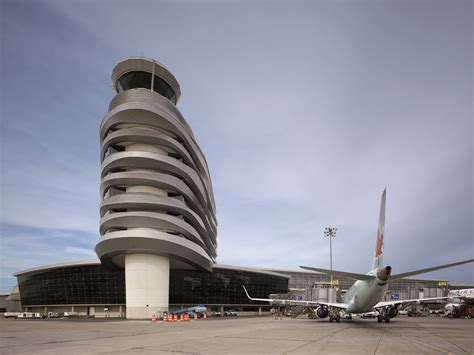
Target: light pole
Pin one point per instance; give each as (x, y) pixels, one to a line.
(330, 232)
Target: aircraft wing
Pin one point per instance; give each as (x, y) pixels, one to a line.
(350, 275)
(295, 302)
(401, 302)
(434, 268)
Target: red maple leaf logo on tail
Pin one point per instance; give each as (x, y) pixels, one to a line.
(379, 244)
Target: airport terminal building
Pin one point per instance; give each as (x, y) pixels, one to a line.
(89, 289)
(158, 227)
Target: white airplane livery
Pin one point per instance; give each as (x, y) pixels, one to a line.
(369, 289)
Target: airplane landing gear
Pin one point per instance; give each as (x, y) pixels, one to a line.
(384, 316)
(334, 315)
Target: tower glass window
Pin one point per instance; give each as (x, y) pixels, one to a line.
(163, 88)
(140, 79)
(134, 80)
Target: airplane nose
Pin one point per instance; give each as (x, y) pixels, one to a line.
(383, 274)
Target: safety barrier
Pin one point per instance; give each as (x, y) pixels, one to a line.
(175, 318)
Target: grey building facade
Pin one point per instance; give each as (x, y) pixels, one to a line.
(400, 288)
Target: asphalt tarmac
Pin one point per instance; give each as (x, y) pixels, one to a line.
(238, 335)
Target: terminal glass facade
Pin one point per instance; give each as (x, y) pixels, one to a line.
(84, 284)
(222, 286)
(94, 285)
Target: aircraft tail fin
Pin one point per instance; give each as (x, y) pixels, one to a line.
(378, 255)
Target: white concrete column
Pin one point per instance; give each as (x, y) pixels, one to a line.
(139, 147)
(146, 284)
(146, 275)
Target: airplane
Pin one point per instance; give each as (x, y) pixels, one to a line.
(367, 292)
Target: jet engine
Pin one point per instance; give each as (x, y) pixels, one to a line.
(383, 273)
(392, 312)
(322, 312)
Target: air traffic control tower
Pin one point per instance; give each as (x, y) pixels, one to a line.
(157, 210)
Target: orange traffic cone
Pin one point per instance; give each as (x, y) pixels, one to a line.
(175, 318)
(195, 316)
(153, 318)
(204, 316)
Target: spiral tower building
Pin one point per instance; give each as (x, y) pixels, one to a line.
(157, 210)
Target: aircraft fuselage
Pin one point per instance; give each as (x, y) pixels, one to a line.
(364, 295)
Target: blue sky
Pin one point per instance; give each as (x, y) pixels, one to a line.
(305, 110)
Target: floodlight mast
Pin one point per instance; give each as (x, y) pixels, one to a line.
(330, 232)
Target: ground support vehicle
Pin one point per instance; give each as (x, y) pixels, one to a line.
(462, 310)
(230, 314)
(11, 314)
(30, 315)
